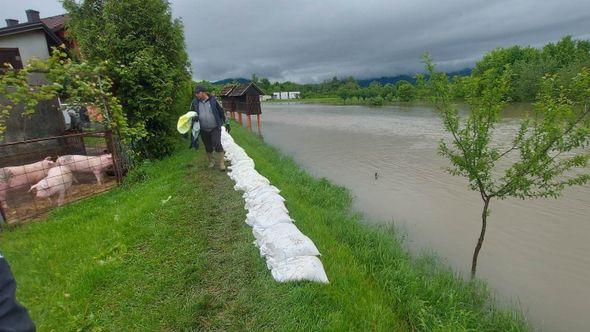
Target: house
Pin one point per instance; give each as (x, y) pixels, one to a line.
(286, 95)
(19, 43)
(242, 99)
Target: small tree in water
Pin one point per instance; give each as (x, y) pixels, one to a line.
(548, 153)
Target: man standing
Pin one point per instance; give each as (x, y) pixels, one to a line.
(13, 316)
(211, 117)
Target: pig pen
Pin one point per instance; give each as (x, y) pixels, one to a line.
(26, 163)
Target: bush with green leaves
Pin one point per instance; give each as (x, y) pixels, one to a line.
(82, 83)
(548, 153)
(144, 52)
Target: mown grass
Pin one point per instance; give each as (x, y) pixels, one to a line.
(135, 259)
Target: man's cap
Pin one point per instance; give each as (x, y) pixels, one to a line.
(200, 88)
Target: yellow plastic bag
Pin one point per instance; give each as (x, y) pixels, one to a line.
(184, 122)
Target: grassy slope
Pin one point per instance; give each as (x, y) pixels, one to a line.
(127, 261)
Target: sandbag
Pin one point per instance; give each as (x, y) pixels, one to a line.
(300, 268)
(268, 218)
(260, 190)
(290, 255)
(284, 240)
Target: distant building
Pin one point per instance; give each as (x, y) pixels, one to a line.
(19, 43)
(265, 97)
(286, 95)
(242, 98)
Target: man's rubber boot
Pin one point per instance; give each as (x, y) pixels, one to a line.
(211, 161)
(221, 161)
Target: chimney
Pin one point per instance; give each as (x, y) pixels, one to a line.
(10, 22)
(33, 16)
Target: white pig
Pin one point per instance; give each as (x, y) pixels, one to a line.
(59, 179)
(87, 164)
(22, 176)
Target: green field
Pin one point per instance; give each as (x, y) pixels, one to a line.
(170, 251)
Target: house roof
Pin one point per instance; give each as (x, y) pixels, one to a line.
(55, 23)
(26, 27)
(238, 90)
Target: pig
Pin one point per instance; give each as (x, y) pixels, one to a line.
(22, 176)
(87, 164)
(58, 180)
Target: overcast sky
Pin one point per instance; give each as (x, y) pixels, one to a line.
(311, 40)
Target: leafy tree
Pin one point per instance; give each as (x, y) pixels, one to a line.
(81, 82)
(388, 91)
(255, 79)
(547, 154)
(405, 91)
(265, 85)
(143, 48)
(420, 91)
(529, 65)
(344, 93)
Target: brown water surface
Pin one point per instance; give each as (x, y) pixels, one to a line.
(536, 252)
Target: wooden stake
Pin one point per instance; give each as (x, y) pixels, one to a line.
(249, 122)
(259, 125)
(240, 118)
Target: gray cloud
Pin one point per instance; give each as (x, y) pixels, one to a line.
(308, 41)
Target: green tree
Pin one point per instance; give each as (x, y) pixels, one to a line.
(405, 91)
(420, 87)
(80, 82)
(548, 151)
(143, 48)
(255, 79)
(265, 85)
(344, 93)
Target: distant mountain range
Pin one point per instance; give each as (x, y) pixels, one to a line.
(240, 80)
(364, 82)
(394, 79)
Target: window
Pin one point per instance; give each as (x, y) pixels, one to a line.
(12, 56)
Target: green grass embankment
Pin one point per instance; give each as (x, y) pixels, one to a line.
(132, 259)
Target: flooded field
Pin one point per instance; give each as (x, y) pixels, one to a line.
(536, 252)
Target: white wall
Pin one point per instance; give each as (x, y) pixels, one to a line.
(32, 44)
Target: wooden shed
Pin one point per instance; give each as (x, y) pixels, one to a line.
(242, 99)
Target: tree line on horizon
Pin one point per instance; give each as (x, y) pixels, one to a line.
(528, 65)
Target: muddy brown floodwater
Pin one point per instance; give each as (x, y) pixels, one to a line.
(536, 252)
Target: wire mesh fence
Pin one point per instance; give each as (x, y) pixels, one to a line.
(40, 174)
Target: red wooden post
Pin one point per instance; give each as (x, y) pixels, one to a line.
(240, 118)
(233, 115)
(259, 125)
(249, 123)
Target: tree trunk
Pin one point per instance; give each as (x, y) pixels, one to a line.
(484, 217)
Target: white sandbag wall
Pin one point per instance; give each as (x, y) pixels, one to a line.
(290, 255)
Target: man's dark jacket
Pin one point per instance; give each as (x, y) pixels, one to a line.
(218, 113)
(13, 316)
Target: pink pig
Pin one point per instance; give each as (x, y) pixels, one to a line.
(22, 176)
(87, 164)
(59, 179)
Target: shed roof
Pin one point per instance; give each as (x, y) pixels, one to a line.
(238, 90)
